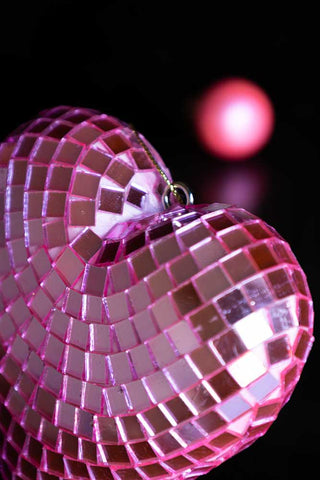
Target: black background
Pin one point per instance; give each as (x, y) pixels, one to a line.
(147, 63)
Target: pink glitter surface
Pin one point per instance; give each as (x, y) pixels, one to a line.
(135, 343)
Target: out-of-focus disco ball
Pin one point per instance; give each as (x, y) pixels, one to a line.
(234, 119)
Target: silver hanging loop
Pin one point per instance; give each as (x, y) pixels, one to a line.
(180, 193)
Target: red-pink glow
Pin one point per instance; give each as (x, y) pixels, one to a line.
(234, 119)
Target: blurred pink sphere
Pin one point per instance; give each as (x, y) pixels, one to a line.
(234, 119)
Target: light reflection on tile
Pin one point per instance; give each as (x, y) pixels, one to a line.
(254, 329)
(246, 369)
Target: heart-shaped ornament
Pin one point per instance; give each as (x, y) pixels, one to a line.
(136, 343)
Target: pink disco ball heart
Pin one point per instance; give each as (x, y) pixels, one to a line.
(136, 343)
